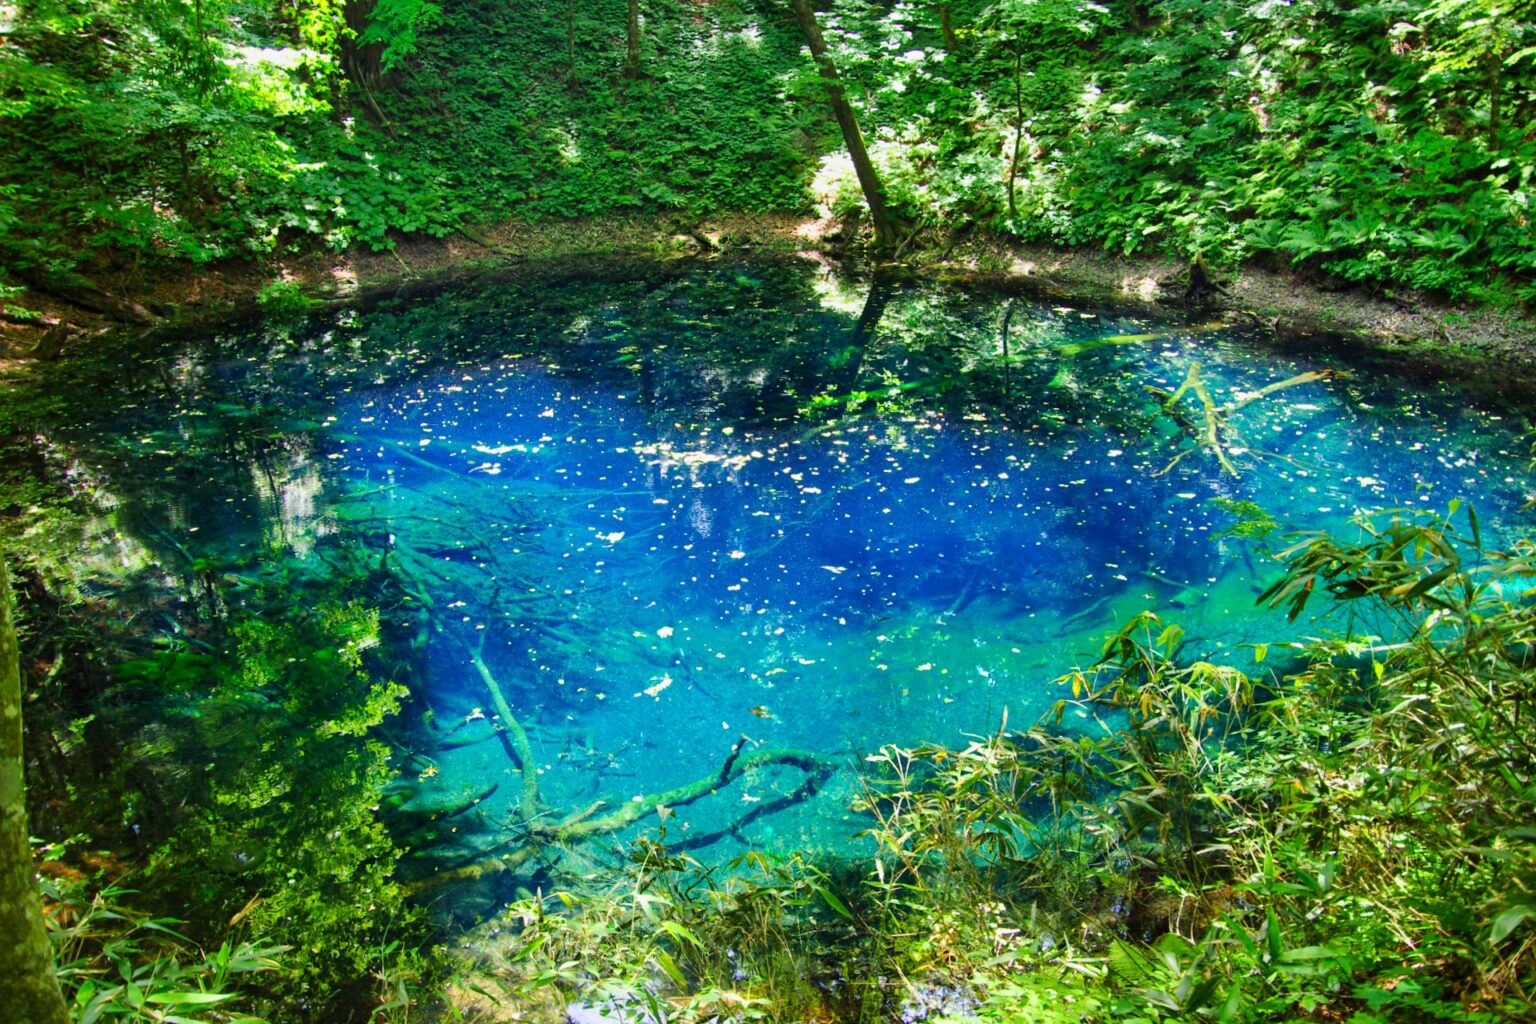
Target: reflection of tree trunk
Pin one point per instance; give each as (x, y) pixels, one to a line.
(1007, 368)
(26, 969)
(881, 290)
(869, 181)
(632, 52)
(570, 37)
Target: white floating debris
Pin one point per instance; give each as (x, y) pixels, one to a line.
(654, 691)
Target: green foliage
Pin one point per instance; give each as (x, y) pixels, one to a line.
(282, 300)
(1350, 831)
(1383, 143)
(1252, 522)
(117, 964)
(283, 812)
(396, 25)
(743, 940)
(1387, 143)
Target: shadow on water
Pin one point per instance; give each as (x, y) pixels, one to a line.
(705, 540)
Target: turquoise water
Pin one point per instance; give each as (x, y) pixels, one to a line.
(667, 513)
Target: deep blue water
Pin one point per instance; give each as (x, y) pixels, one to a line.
(765, 502)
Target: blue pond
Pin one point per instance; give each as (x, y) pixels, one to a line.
(667, 512)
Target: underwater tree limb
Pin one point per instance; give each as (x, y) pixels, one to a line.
(1174, 462)
(514, 736)
(1213, 420)
(1289, 382)
(581, 827)
(1192, 375)
(1215, 432)
(804, 791)
(1208, 434)
(679, 796)
(1173, 412)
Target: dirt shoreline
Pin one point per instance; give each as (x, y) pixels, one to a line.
(1438, 338)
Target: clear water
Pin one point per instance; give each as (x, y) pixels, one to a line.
(676, 510)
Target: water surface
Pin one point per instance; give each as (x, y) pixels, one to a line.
(670, 511)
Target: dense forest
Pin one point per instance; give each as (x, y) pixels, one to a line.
(1381, 143)
(1212, 663)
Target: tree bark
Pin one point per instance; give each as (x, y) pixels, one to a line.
(947, 25)
(26, 961)
(1018, 131)
(869, 181)
(632, 49)
(78, 291)
(363, 64)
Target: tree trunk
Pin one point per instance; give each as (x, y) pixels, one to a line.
(363, 64)
(869, 181)
(26, 961)
(1018, 136)
(947, 24)
(78, 291)
(632, 51)
(1495, 87)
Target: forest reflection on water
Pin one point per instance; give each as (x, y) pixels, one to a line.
(666, 512)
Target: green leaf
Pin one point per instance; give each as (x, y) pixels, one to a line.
(190, 998)
(832, 900)
(1232, 1005)
(674, 929)
(1272, 935)
(1303, 953)
(669, 967)
(1510, 920)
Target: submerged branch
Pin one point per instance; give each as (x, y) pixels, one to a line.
(514, 737)
(582, 826)
(1214, 432)
(1289, 382)
(1214, 418)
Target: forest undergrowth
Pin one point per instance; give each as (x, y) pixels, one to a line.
(1388, 144)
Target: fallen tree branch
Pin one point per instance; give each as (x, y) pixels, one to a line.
(1213, 420)
(1289, 382)
(1214, 433)
(82, 293)
(513, 736)
(581, 827)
